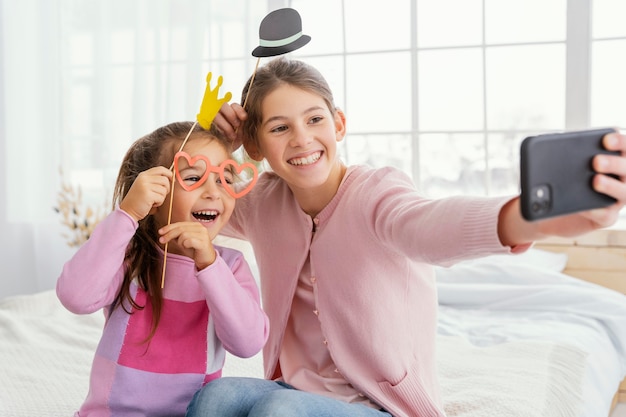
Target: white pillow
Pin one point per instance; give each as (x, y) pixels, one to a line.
(534, 265)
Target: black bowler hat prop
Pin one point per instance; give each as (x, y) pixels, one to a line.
(280, 32)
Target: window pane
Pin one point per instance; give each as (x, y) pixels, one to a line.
(452, 163)
(503, 163)
(509, 21)
(526, 87)
(450, 89)
(80, 49)
(322, 20)
(376, 26)
(379, 99)
(608, 85)
(379, 151)
(235, 74)
(608, 18)
(122, 46)
(465, 16)
(232, 33)
(226, 39)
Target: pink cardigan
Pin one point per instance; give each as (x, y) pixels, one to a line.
(372, 256)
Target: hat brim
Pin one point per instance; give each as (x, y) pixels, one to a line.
(266, 51)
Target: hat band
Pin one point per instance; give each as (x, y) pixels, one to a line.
(279, 42)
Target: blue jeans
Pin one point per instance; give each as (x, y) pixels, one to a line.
(254, 397)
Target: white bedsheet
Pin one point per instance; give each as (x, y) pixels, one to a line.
(505, 299)
(502, 326)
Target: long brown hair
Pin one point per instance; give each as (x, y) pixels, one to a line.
(142, 261)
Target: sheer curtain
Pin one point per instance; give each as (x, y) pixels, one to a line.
(28, 156)
(83, 79)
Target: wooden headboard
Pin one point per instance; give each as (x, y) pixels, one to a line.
(598, 257)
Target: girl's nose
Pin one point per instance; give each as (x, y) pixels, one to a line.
(211, 188)
(300, 136)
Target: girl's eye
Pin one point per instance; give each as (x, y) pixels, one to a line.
(228, 178)
(278, 129)
(316, 119)
(193, 178)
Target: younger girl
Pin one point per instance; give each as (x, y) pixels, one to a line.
(160, 345)
(345, 256)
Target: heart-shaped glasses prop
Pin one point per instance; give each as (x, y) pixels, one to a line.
(193, 172)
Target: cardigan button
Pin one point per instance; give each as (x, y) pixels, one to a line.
(316, 312)
(313, 280)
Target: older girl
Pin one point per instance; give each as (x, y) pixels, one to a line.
(345, 256)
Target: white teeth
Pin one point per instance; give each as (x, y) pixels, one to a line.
(306, 161)
(205, 215)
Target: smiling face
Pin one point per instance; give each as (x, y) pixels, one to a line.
(298, 137)
(209, 204)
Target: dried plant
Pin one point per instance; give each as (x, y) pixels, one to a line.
(80, 220)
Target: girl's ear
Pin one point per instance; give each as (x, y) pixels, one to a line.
(340, 125)
(252, 150)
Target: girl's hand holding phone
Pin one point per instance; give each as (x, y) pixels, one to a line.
(558, 176)
(148, 192)
(609, 178)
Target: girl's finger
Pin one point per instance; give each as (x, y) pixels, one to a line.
(611, 187)
(615, 142)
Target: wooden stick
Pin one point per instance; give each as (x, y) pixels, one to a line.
(185, 141)
(251, 81)
(169, 214)
(169, 220)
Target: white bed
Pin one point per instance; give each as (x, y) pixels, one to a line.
(517, 337)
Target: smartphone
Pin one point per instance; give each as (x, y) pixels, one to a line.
(556, 173)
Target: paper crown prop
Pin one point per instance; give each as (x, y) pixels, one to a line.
(210, 103)
(280, 32)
